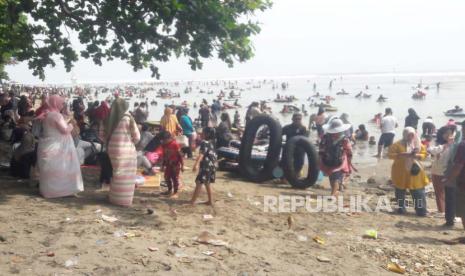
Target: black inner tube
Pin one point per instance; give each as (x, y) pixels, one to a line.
(247, 167)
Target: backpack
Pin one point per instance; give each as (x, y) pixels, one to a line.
(332, 154)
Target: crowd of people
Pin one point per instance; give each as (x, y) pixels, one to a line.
(52, 137)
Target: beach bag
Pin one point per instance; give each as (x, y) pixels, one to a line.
(182, 141)
(332, 154)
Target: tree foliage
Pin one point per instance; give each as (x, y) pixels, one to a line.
(144, 33)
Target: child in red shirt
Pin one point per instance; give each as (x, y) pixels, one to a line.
(172, 165)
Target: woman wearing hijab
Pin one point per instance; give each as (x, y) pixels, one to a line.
(169, 122)
(101, 113)
(60, 172)
(407, 173)
(121, 134)
(412, 119)
(223, 131)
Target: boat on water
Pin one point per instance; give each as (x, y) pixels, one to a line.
(455, 114)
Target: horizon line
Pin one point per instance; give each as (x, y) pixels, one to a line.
(305, 76)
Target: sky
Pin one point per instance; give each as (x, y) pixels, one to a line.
(307, 37)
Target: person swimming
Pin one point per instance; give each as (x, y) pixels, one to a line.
(381, 98)
(361, 134)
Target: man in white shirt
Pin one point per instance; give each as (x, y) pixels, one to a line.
(388, 130)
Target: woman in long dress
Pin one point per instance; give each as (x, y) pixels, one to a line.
(121, 135)
(59, 169)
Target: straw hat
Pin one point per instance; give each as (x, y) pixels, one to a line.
(335, 125)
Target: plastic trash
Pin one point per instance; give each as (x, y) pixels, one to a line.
(72, 261)
(129, 235)
(319, 240)
(152, 248)
(218, 243)
(395, 268)
(229, 194)
(302, 238)
(180, 254)
(208, 253)
(109, 218)
(371, 234)
(118, 234)
(323, 259)
(208, 238)
(207, 217)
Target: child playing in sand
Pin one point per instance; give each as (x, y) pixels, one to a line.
(173, 164)
(206, 159)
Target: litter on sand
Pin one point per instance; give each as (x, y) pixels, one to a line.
(72, 262)
(207, 217)
(323, 259)
(129, 235)
(152, 249)
(302, 238)
(371, 234)
(109, 218)
(207, 238)
(208, 253)
(395, 268)
(319, 240)
(118, 234)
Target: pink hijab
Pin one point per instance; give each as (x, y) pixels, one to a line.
(55, 103)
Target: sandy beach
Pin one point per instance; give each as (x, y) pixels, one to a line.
(68, 236)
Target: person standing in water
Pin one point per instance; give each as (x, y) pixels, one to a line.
(388, 130)
(412, 119)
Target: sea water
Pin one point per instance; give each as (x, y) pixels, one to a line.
(397, 88)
